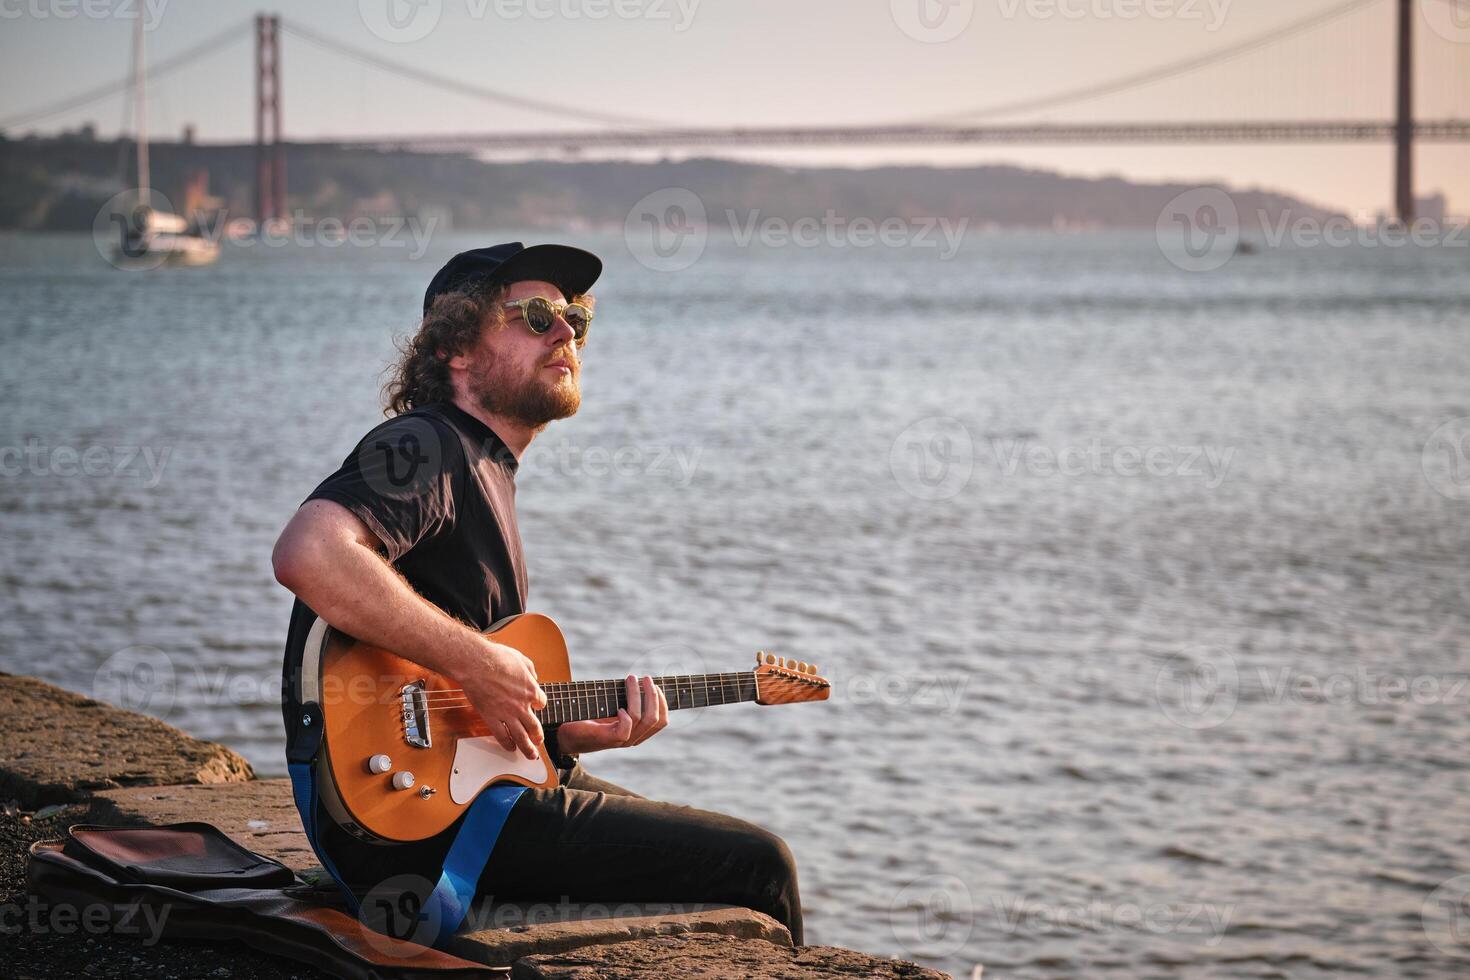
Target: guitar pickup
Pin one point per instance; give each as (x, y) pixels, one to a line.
(416, 716)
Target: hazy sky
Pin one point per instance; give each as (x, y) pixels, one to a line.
(755, 62)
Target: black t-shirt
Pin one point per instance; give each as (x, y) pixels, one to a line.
(437, 486)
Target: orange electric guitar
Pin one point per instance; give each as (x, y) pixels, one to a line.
(404, 753)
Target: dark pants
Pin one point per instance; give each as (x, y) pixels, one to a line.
(591, 841)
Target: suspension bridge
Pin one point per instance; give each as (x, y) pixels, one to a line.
(1441, 56)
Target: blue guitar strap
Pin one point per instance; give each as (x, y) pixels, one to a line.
(448, 903)
(445, 907)
(303, 789)
(301, 753)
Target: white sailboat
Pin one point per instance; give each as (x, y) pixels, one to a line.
(154, 236)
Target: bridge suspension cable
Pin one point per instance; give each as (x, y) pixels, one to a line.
(464, 88)
(1173, 69)
(157, 70)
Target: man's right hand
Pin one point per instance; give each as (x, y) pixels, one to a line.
(334, 562)
(506, 694)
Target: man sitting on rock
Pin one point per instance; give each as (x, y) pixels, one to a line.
(412, 546)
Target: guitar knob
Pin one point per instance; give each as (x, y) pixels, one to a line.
(403, 780)
(379, 764)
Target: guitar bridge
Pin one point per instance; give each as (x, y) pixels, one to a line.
(416, 715)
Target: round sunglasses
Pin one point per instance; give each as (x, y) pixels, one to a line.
(540, 315)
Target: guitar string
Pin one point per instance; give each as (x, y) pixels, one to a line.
(739, 687)
(558, 692)
(608, 700)
(608, 696)
(451, 704)
(467, 706)
(686, 680)
(601, 695)
(478, 733)
(614, 695)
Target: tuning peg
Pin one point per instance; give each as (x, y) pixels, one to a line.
(770, 658)
(760, 657)
(803, 667)
(814, 669)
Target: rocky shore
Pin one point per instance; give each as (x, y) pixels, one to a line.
(68, 759)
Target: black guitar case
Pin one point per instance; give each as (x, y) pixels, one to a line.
(190, 881)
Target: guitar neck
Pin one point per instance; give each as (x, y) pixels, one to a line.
(579, 700)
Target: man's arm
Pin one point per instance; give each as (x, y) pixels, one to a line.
(330, 559)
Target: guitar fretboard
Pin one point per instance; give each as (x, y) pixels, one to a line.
(579, 700)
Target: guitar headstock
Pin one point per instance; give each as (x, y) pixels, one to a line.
(782, 681)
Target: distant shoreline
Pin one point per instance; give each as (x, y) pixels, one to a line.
(58, 184)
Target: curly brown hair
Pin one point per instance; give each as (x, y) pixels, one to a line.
(452, 326)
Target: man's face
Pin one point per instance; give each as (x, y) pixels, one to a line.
(516, 373)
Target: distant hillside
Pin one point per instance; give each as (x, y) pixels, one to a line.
(56, 184)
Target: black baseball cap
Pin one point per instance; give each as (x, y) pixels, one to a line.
(572, 270)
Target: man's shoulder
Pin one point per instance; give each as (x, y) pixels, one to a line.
(412, 455)
(428, 417)
(427, 431)
(479, 443)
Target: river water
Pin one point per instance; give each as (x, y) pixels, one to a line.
(1143, 592)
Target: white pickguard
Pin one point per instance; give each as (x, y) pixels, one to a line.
(480, 760)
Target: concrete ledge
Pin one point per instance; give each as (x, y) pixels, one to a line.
(515, 930)
(60, 747)
(128, 769)
(260, 814)
(715, 958)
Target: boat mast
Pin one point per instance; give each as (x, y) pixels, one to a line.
(140, 91)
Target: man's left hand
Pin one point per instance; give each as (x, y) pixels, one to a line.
(646, 714)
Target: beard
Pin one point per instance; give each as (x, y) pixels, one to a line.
(528, 399)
